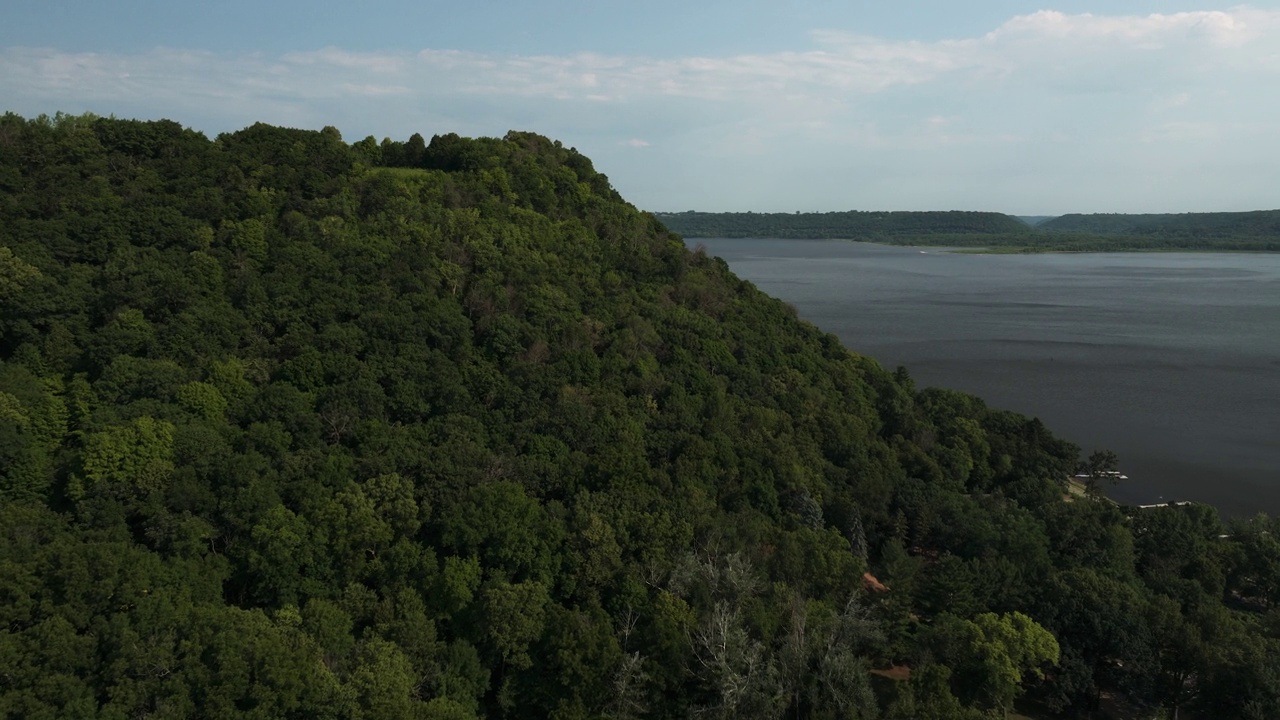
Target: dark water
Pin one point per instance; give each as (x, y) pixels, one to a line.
(1171, 360)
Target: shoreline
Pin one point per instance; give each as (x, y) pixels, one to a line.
(997, 249)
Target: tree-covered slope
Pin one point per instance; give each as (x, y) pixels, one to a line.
(296, 428)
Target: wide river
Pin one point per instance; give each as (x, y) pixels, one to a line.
(1172, 360)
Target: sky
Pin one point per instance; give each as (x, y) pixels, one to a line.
(1030, 108)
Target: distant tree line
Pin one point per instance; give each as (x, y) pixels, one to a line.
(1260, 224)
(1250, 231)
(848, 225)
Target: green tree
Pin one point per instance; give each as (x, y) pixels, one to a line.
(127, 460)
(514, 617)
(1099, 468)
(992, 654)
(15, 274)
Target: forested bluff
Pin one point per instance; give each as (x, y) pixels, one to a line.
(296, 428)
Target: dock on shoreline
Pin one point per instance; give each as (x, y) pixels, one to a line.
(1077, 487)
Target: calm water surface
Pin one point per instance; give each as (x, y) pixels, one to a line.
(1172, 360)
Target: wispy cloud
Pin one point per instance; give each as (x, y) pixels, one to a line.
(860, 110)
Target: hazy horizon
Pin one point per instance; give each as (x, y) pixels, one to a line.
(1089, 107)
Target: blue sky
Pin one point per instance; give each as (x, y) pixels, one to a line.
(1005, 105)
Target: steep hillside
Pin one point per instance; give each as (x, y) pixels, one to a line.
(296, 428)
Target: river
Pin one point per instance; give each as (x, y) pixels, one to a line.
(1172, 360)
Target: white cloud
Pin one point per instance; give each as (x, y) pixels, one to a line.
(1231, 28)
(1047, 96)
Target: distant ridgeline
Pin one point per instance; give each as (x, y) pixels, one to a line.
(1261, 224)
(297, 428)
(848, 225)
(1256, 231)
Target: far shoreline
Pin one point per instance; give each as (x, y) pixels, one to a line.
(995, 250)
(994, 232)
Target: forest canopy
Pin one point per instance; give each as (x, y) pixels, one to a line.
(291, 427)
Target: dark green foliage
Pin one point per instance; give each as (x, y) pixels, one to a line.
(445, 429)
